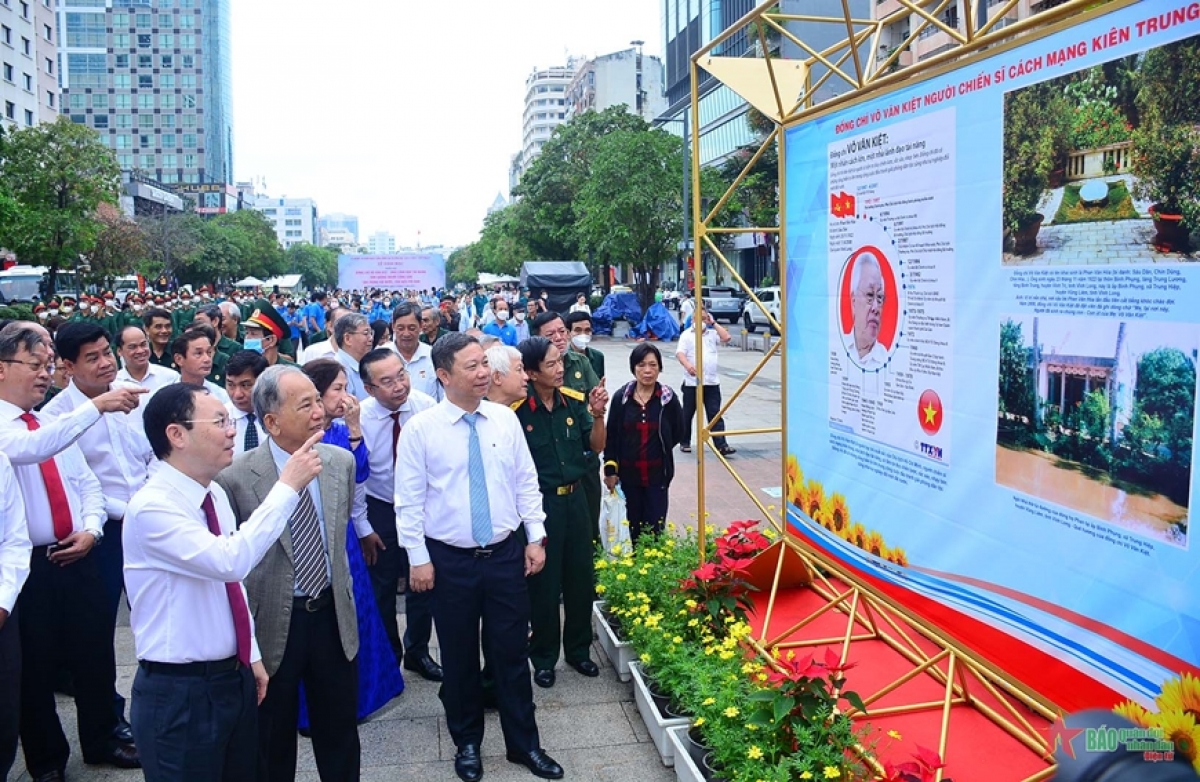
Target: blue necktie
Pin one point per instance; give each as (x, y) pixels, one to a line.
(481, 511)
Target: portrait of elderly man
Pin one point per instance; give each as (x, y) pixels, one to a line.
(867, 295)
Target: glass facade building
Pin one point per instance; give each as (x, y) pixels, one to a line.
(153, 78)
(336, 221)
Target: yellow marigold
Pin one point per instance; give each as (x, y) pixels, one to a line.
(690, 603)
(726, 655)
(676, 640)
(732, 712)
(644, 657)
(693, 622)
(754, 752)
(601, 564)
(895, 734)
(750, 726)
(698, 721)
(748, 667)
(601, 589)
(708, 701)
(620, 576)
(644, 572)
(616, 549)
(1182, 694)
(832, 772)
(806, 775)
(762, 677)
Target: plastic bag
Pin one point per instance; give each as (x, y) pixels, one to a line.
(614, 527)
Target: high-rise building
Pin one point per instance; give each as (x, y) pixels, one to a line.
(294, 219)
(29, 60)
(626, 78)
(381, 243)
(545, 109)
(336, 221)
(153, 77)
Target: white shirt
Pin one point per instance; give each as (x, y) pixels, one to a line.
(354, 383)
(242, 420)
(115, 448)
(581, 308)
(876, 357)
(156, 377)
(421, 375)
(14, 538)
(432, 496)
(376, 423)
(176, 570)
(686, 308)
(214, 390)
(24, 447)
(84, 495)
(687, 349)
(324, 349)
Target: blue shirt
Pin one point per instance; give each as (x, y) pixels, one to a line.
(294, 320)
(316, 312)
(506, 333)
(314, 491)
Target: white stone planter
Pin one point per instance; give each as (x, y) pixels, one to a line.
(656, 724)
(686, 769)
(619, 653)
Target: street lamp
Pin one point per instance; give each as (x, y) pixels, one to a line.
(659, 122)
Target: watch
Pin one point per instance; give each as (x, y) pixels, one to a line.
(97, 534)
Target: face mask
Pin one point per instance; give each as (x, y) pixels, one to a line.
(43, 315)
(253, 344)
(204, 295)
(95, 308)
(580, 341)
(67, 310)
(520, 317)
(137, 307)
(53, 312)
(387, 302)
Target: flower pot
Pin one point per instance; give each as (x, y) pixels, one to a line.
(694, 743)
(687, 765)
(1170, 234)
(711, 770)
(619, 653)
(657, 723)
(1025, 237)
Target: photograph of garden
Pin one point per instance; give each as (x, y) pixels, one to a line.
(1097, 416)
(1103, 165)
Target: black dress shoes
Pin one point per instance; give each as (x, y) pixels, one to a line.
(544, 679)
(51, 776)
(586, 667)
(121, 756)
(538, 762)
(424, 666)
(123, 732)
(467, 763)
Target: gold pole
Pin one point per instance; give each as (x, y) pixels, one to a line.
(698, 314)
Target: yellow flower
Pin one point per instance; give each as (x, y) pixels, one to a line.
(755, 753)
(751, 726)
(698, 721)
(690, 603)
(1135, 713)
(1181, 729)
(726, 655)
(601, 564)
(676, 640)
(732, 712)
(708, 701)
(620, 576)
(1182, 694)
(600, 589)
(693, 622)
(806, 775)
(762, 677)
(839, 514)
(645, 658)
(832, 772)
(895, 734)
(644, 572)
(616, 549)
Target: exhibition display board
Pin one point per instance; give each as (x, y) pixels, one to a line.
(991, 404)
(400, 272)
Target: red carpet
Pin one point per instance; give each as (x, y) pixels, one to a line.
(978, 749)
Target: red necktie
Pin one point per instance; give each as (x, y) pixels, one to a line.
(233, 590)
(395, 432)
(60, 508)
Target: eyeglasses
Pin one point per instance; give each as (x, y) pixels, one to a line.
(37, 367)
(390, 383)
(223, 422)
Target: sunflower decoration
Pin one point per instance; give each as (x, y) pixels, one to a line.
(1181, 695)
(897, 557)
(795, 480)
(1181, 730)
(813, 499)
(1135, 713)
(839, 514)
(875, 543)
(858, 535)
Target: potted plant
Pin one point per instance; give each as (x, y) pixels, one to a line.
(1035, 133)
(1166, 164)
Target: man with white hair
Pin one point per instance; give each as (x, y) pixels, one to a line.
(509, 382)
(867, 295)
(232, 320)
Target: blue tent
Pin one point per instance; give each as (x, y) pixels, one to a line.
(615, 305)
(658, 321)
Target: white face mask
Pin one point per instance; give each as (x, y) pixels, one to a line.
(502, 315)
(520, 317)
(580, 341)
(43, 315)
(137, 307)
(67, 310)
(94, 308)
(53, 311)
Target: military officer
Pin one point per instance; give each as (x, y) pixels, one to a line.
(557, 422)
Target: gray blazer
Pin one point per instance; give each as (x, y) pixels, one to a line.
(270, 585)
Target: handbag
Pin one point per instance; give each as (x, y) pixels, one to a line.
(614, 525)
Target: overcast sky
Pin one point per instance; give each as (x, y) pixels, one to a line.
(405, 113)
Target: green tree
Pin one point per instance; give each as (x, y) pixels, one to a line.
(58, 173)
(501, 248)
(317, 265)
(1036, 124)
(119, 246)
(172, 242)
(1016, 381)
(463, 265)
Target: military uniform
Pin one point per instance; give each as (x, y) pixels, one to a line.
(183, 316)
(597, 360)
(579, 375)
(441, 333)
(559, 442)
(227, 346)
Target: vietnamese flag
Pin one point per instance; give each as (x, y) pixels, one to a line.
(841, 204)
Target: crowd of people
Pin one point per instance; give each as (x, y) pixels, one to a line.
(262, 476)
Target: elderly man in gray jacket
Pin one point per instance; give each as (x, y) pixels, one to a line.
(301, 594)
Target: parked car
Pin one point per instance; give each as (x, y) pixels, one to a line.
(753, 317)
(723, 302)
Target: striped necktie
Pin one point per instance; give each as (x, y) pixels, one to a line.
(308, 551)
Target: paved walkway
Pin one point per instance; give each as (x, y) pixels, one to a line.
(591, 726)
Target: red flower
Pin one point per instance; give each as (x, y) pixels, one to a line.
(706, 572)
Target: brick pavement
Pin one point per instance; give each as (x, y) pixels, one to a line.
(591, 726)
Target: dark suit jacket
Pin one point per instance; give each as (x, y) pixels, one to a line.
(270, 585)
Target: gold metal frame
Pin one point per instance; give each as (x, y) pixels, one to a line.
(871, 615)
